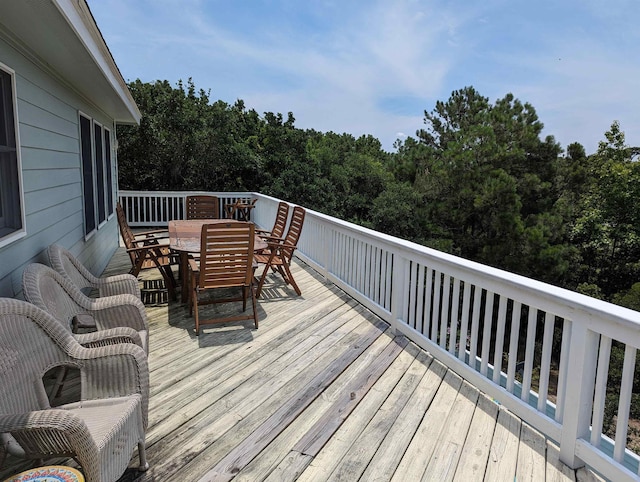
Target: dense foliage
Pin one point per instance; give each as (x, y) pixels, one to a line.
(477, 181)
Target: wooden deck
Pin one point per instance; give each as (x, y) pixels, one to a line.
(321, 391)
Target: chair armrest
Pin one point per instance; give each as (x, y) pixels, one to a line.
(40, 419)
(113, 371)
(120, 310)
(118, 284)
(280, 245)
(152, 233)
(122, 334)
(58, 431)
(272, 238)
(150, 243)
(194, 265)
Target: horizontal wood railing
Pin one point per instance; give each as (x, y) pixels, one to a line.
(541, 351)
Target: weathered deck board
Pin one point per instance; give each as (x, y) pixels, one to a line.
(503, 455)
(475, 453)
(444, 460)
(321, 391)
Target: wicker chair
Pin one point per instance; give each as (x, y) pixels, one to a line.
(118, 319)
(71, 268)
(100, 431)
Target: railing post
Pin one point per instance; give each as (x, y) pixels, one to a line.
(399, 285)
(327, 240)
(578, 399)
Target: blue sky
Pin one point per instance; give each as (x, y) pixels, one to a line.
(374, 66)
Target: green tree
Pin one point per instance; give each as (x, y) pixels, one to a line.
(488, 180)
(607, 230)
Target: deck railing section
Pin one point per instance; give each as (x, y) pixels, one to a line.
(157, 208)
(541, 351)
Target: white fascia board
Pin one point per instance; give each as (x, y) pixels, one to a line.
(79, 17)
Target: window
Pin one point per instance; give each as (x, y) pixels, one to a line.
(11, 214)
(99, 160)
(97, 179)
(87, 175)
(109, 178)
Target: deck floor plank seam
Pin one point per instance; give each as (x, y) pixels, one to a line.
(323, 464)
(225, 382)
(240, 456)
(281, 448)
(257, 383)
(364, 447)
(209, 435)
(392, 449)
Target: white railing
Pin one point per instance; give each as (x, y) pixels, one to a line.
(541, 351)
(149, 209)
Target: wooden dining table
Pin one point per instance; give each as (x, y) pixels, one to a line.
(184, 238)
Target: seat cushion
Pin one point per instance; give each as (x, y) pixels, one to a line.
(102, 415)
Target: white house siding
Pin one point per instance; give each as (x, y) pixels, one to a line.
(52, 174)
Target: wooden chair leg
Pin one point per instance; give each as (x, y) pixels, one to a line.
(190, 291)
(195, 309)
(244, 298)
(262, 278)
(282, 273)
(291, 280)
(255, 306)
(169, 280)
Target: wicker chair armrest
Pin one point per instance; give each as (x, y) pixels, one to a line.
(53, 431)
(112, 336)
(118, 284)
(54, 419)
(120, 310)
(114, 371)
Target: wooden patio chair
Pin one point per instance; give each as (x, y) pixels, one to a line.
(280, 251)
(241, 209)
(280, 223)
(202, 207)
(147, 250)
(65, 263)
(101, 430)
(226, 262)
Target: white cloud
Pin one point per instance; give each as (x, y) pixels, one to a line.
(334, 65)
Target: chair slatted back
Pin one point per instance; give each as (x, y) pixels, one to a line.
(226, 255)
(202, 207)
(130, 241)
(125, 231)
(293, 234)
(281, 220)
